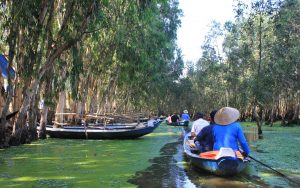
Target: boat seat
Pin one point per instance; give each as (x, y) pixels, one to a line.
(225, 152)
(213, 155)
(59, 124)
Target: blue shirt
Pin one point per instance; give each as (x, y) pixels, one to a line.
(185, 117)
(229, 136)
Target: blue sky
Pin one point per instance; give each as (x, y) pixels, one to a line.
(197, 16)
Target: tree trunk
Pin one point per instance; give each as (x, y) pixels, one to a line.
(43, 122)
(295, 118)
(283, 115)
(59, 117)
(272, 115)
(32, 120)
(258, 121)
(2, 104)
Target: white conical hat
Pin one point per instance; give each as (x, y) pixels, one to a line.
(227, 115)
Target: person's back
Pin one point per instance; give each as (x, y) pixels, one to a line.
(227, 136)
(174, 118)
(227, 132)
(185, 116)
(199, 124)
(205, 138)
(169, 120)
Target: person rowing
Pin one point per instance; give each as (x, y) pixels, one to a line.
(228, 132)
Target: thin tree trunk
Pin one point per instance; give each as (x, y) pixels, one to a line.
(59, 117)
(45, 108)
(32, 120)
(295, 118)
(258, 121)
(43, 122)
(273, 111)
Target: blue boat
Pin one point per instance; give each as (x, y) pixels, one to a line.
(221, 163)
(4, 65)
(109, 131)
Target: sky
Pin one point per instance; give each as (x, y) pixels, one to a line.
(197, 16)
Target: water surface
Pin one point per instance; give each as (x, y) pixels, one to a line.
(154, 160)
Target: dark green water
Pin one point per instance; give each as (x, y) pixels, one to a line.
(155, 160)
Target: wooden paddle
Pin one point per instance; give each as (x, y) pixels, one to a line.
(279, 173)
(10, 115)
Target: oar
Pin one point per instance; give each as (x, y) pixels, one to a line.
(10, 115)
(279, 173)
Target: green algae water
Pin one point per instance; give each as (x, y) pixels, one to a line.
(154, 160)
(81, 163)
(279, 149)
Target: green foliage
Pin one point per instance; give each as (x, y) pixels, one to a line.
(126, 53)
(261, 61)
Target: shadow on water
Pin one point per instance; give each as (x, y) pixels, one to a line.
(163, 172)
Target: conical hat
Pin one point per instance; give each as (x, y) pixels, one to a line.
(227, 115)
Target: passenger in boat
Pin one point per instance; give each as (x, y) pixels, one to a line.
(227, 132)
(205, 139)
(169, 120)
(199, 124)
(175, 117)
(185, 116)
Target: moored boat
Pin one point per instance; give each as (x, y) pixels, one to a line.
(225, 162)
(109, 131)
(179, 123)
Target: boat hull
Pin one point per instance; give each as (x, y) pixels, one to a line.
(225, 166)
(101, 132)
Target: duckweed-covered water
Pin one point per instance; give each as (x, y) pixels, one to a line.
(154, 160)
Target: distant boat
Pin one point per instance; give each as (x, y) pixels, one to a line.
(179, 123)
(222, 163)
(109, 131)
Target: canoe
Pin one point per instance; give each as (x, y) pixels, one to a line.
(225, 162)
(110, 131)
(179, 123)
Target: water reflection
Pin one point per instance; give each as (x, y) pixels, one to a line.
(251, 133)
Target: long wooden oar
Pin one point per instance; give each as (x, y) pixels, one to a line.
(279, 173)
(10, 115)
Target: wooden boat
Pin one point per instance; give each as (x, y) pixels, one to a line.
(109, 131)
(179, 123)
(225, 162)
